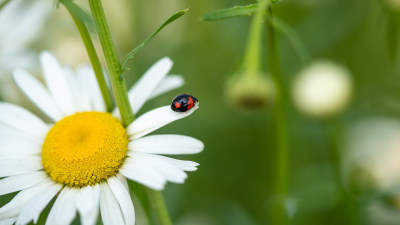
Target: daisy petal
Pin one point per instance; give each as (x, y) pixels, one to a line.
(9, 131)
(15, 206)
(38, 94)
(153, 120)
(123, 181)
(143, 88)
(87, 203)
(168, 170)
(11, 145)
(63, 210)
(10, 166)
(91, 88)
(110, 210)
(167, 144)
(33, 209)
(81, 100)
(23, 120)
(182, 164)
(21, 31)
(57, 83)
(169, 83)
(20, 182)
(123, 198)
(142, 173)
(8, 221)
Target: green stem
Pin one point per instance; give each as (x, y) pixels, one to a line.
(4, 3)
(158, 204)
(118, 86)
(253, 49)
(94, 60)
(346, 202)
(116, 75)
(294, 38)
(279, 215)
(335, 156)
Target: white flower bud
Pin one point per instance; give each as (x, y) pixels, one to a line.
(323, 89)
(373, 148)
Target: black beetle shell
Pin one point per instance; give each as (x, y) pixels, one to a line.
(183, 102)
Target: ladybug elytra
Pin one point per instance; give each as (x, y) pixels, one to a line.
(184, 102)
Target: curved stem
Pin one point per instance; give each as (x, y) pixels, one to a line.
(94, 60)
(116, 75)
(346, 202)
(279, 215)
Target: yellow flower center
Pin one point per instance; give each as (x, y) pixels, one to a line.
(84, 148)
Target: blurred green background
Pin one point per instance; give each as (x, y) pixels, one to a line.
(234, 180)
(235, 177)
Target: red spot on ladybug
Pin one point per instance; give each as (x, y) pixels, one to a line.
(190, 103)
(183, 102)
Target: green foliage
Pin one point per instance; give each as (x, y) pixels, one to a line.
(393, 30)
(235, 11)
(138, 48)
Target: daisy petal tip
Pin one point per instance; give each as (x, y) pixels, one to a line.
(178, 79)
(18, 73)
(179, 181)
(45, 56)
(193, 167)
(154, 120)
(156, 187)
(166, 60)
(161, 186)
(199, 145)
(182, 180)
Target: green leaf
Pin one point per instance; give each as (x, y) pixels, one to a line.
(79, 13)
(138, 48)
(235, 11)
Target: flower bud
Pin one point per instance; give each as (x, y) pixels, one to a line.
(371, 168)
(250, 91)
(322, 89)
(373, 150)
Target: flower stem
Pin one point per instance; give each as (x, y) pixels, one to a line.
(159, 206)
(118, 86)
(116, 75)
(333, 130)
(346, 202)
(251, 63)
(94, 60)
(278, 215)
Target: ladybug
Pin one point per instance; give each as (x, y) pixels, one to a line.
(184, 102)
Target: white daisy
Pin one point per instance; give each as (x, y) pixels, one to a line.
(16, 33)
(85, 157)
